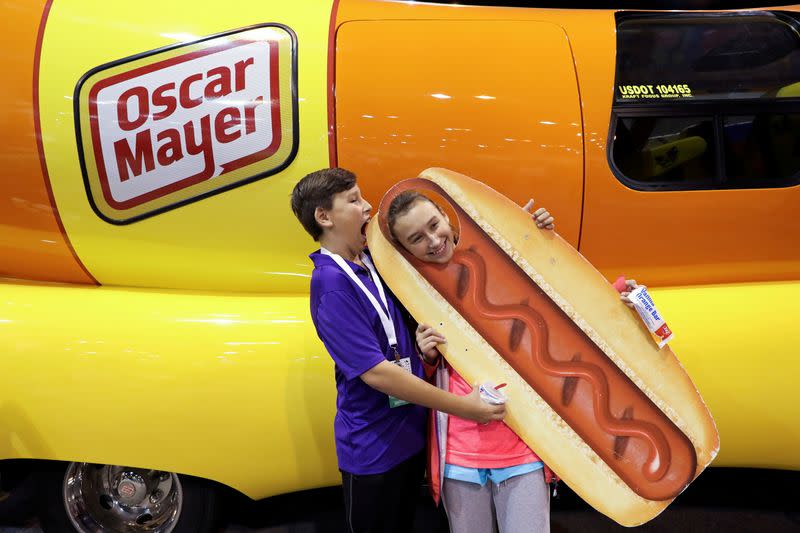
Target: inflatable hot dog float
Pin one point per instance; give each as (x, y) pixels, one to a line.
(589, 391)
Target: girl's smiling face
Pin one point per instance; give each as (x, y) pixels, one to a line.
(425, 232)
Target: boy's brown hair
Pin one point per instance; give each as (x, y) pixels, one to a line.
(317, 190)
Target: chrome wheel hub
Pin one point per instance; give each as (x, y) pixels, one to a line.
(121, 499)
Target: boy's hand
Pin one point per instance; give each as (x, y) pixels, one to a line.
(427, 339)
(541, 216)
(630, 284)
(480, 411)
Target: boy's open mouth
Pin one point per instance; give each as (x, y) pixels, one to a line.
(364, 229)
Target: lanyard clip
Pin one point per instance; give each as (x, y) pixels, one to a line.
(396, 353)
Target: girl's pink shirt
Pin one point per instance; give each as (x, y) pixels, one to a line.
(474, 445)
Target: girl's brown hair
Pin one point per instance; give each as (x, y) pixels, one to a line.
(401, 204)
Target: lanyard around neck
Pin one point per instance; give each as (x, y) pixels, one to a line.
(386, 321)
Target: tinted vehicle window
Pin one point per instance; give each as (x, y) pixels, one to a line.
(740, 56)
(765, 144)
(665, 151)
(707, 101)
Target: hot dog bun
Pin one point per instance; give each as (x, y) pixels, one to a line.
(593, 307)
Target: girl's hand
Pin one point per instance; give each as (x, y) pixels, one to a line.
(630, 284)
(427, 340)
(541, 216)
(478, 410)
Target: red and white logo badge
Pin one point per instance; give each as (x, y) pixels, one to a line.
(176, 125)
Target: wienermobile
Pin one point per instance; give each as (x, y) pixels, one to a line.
(155, 337)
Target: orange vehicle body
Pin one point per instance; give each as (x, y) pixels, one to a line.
(387, 126)
(519, 98)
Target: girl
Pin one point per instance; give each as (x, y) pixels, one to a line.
(492, 479)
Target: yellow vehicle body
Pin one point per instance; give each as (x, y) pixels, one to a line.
(178, 337)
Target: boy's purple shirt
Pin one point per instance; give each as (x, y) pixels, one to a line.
(371, 438)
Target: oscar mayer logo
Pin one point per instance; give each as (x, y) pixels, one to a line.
(176, 125)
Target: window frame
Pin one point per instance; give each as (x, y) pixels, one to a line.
(716, 109)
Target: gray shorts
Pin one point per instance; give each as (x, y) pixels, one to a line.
(520, 504)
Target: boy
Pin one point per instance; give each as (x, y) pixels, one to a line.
(381, 394)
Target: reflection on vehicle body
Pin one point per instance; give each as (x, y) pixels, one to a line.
(155, 340)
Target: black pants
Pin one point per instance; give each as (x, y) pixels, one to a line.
(383, 503)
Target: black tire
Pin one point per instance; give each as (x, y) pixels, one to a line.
(199, 513)
(17, 493)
